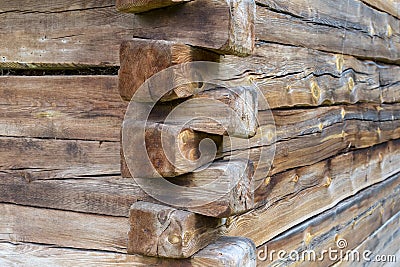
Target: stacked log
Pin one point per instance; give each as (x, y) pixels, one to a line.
(315, 169)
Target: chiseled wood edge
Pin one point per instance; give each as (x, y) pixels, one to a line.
(138, 6)
(226, 251)
(161, 231)
(384, 241)
(354, 220)
(313, 189)
(140, 59)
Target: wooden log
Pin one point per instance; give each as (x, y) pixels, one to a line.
(222, 111)
(140, 59)
(296, 76)
(234, 251)
(61, 107)
(171, 150)
(381, 242)
(161, 231)
(353, 220)
(308, 191)
(55, 159)
(138, 6)
(344, 29)
(391, 7)
(63, 228)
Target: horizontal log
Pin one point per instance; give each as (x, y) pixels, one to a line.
(344, 29)
(140, 59)
(296, 76)
(297, 195)
(138, 6)
(161, 231)
(63, 228)
(353, 221)
(391, 7)
(55, 159)
(226, 250)
(380, 242)
(169, 150)
(62, 107)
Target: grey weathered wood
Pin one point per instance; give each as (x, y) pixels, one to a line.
(54, 159)
(232, 251)
(61, 107)
(161, 231)
(313, 189)
(138, 6)
(63, 228)
(354, 220)
(390, 6)
(384, 241)
(341, 28)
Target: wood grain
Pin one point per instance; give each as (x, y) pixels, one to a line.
(354, 220)
(384, 241)
(344, 29)
(138, 6)
(290, 76)
(389, 6)
(234, 251)
(63, 228)
(55, 159)
(61, 107)
(141, 59)
(320, 187)
(161, 231)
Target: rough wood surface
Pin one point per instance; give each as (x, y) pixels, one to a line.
(389, 6)
(305, 137)
(296, 76)
(138, 6)
(299, 194)
(168, 150)
(161, 231)
(226, 251)
(354, 220)
(384, 241)
(63, 228)
(61, 107)
(140, 59)
(55, 159)
(341, 28)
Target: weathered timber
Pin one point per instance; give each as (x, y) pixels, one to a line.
(138, 6)
(108, 195)
(384, 241)
(392, 7)
(63, 228)
(352, 220)
(344, 29)
(66, 107)
(140, 59)
(113, 195)
(297, 76)
(360, 130)
(228, 28)
(226, 251)
(161, 231)
(313, 189)
(168, 150)
(54, 159)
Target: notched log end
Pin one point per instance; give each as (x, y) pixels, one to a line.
(241, 40)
